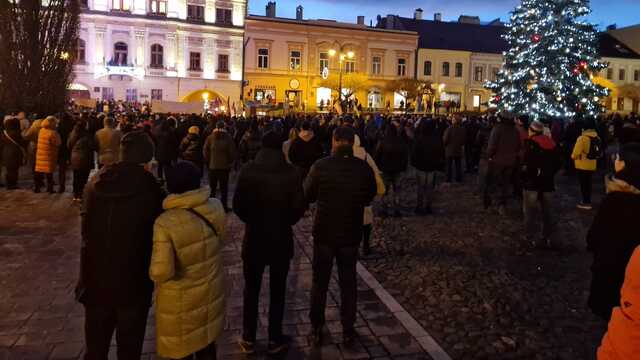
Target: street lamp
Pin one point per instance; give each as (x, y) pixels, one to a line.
(341, 57)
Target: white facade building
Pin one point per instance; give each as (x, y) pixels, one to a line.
(170, 50)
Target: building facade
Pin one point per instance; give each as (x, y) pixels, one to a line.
(621, 77)
(168, 50)
(289, 62)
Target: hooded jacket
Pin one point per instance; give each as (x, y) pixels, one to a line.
(219, 150)
(581, 150)
(121, 204)
(305, 150)
(81, 145)
(191, 148)
(108, 144)
(540, 163)
(188, 271)
(47, 150)
(12, 147)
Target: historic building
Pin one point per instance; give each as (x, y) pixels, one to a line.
(622, 77)
(289, 63)
(170, 50)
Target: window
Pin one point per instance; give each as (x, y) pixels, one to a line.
(120, 51)
(195, 12)
(132, 95)
(194, 61)
(263, 58)
(295, 60)
(402, 67)
(223, 63)
(156, 56)
(494, 73)
(620, 104)
(609, 74)
(349, 66)
(122, 5)
(158, 7)
(156, 94)
(427, 68)
(458, 70)
(223, 16)
(80, 51)
(376, 65)
(324, 61)
(476, 101)
(621, 75)
(107, 93)
(636, 75)
(445, 69)
(478, 73)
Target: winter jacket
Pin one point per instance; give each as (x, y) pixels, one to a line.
(31, 136)
(622, 340)
(12, 147)
(540, 163)
(581, 150)
(121, 204)
(250, 144)
(361, 153)
(108, 145)
(64, 130)
(504, 144)
(612, 239)
(341, 185)
(392, 154)
(305, 151)
(454, 140)
(482, 141)
(269, 199)
(219, 150)
(187, 268)
(82, 146)
(191, 149)
(428, 153)
(47, 151)
(166, 144)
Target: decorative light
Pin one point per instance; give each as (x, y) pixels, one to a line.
(351, 54)
(64, 55)
(332, 52)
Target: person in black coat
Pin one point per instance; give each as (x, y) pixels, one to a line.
(613, 234)
(269, 199)
(341, 185)
(250, 143)
(392, 157)
(428, 158)
(64, 153)
(82, 146)
(305, 150)
(166, 146)
(191, 148)
(12, 151)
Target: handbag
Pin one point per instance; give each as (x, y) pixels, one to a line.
(22, 150)
(206, 221)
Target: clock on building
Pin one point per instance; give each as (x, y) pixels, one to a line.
(294, 84)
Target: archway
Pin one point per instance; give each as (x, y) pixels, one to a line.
(78, 91)
(201, 95)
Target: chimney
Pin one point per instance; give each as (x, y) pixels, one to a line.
(437, 17)
(271, 9)
(299, 12)
(418, 14)
(360, 20)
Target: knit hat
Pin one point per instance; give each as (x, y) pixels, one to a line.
(194, 130)
(630, 154)
(182, 177)
(537, 126)
(272, 140)
(136, 147)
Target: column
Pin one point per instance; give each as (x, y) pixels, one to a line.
(99, 43)
(171, 51)
(140, 48)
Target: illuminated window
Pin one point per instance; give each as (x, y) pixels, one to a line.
(156, 94)
(80, 51)
(445, 69)
(349, 66)
(157, 56)
(458, 70)
(324, 61)
(402, 67)
(478, 73)
(295, 60)
(609, 74)
(376, 65)
(122, 5)
(195, 13)
(224, 16)
(120, 51)
(132, 95)
(158, 7)
(223, 63)
(194, 61)
(263, 58)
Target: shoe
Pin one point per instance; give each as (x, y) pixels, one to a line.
(280, 346)
(349, 337)
(317, 335)
(247, 347)
(585, 206)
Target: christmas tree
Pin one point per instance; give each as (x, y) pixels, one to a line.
(548, 69)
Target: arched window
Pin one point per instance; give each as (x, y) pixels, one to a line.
(156, 56)
(80, 51)
(120, 51)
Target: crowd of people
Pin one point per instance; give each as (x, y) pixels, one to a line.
(147, 223)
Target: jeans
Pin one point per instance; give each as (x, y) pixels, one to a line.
(162, 168)
(532, 200)
(80, 178)
(278, 271)
(457, 161)
(426, 186)
(220, 176)
(498, 176)
(208, 353)
(586, 181)
(129, 323)
(346, 258)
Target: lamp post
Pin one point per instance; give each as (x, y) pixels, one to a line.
(342, 55)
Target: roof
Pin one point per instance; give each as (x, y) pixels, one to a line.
(609, 46)
(453, 35)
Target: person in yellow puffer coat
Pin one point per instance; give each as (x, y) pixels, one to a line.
(187, 268)
(47, 154)
(585, 167)
(622, 340)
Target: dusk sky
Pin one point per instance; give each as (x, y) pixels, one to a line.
(605, 12)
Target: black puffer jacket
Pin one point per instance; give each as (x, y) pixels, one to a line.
(250, 144)
(269, 199)
(12, 146)
(342, 185)
(541, 162)
(191, 149)
(305, 151)
(121, 204)
(392, 153)
(166, 143)
(81, 143)
(428, 153)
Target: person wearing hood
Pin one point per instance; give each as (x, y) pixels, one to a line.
(219, 154)
(585, 163)
(12, 151)
(107, 141)
(428, 158)
(187, 268)
(305, 150)
(191, 148)
(120, 205)
(613, 235)
(540, 163)
(47, 154)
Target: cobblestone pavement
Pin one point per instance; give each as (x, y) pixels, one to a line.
(39, 262)
(467, 277)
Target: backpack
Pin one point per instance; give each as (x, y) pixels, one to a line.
(596, 150)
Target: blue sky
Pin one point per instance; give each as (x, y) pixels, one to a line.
(605, 12)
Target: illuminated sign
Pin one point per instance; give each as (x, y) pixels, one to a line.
(132, 71)
(325, 73)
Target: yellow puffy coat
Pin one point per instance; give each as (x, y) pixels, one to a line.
(187, 267)
(47, 150)
(581, 150)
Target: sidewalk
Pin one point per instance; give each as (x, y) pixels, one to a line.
(39, 261)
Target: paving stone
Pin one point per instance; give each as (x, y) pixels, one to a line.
(69, 350)
(400, 344)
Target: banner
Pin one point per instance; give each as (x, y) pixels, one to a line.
(164, 107)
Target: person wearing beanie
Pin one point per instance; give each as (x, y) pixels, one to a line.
(540, 163)
(269, 199)
(187, 267)
(120, 205)
(613, 235)
(219, 153)
(191, 148)
(587, 150)
(305, 150)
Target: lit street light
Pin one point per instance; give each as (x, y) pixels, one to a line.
(342, 56)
